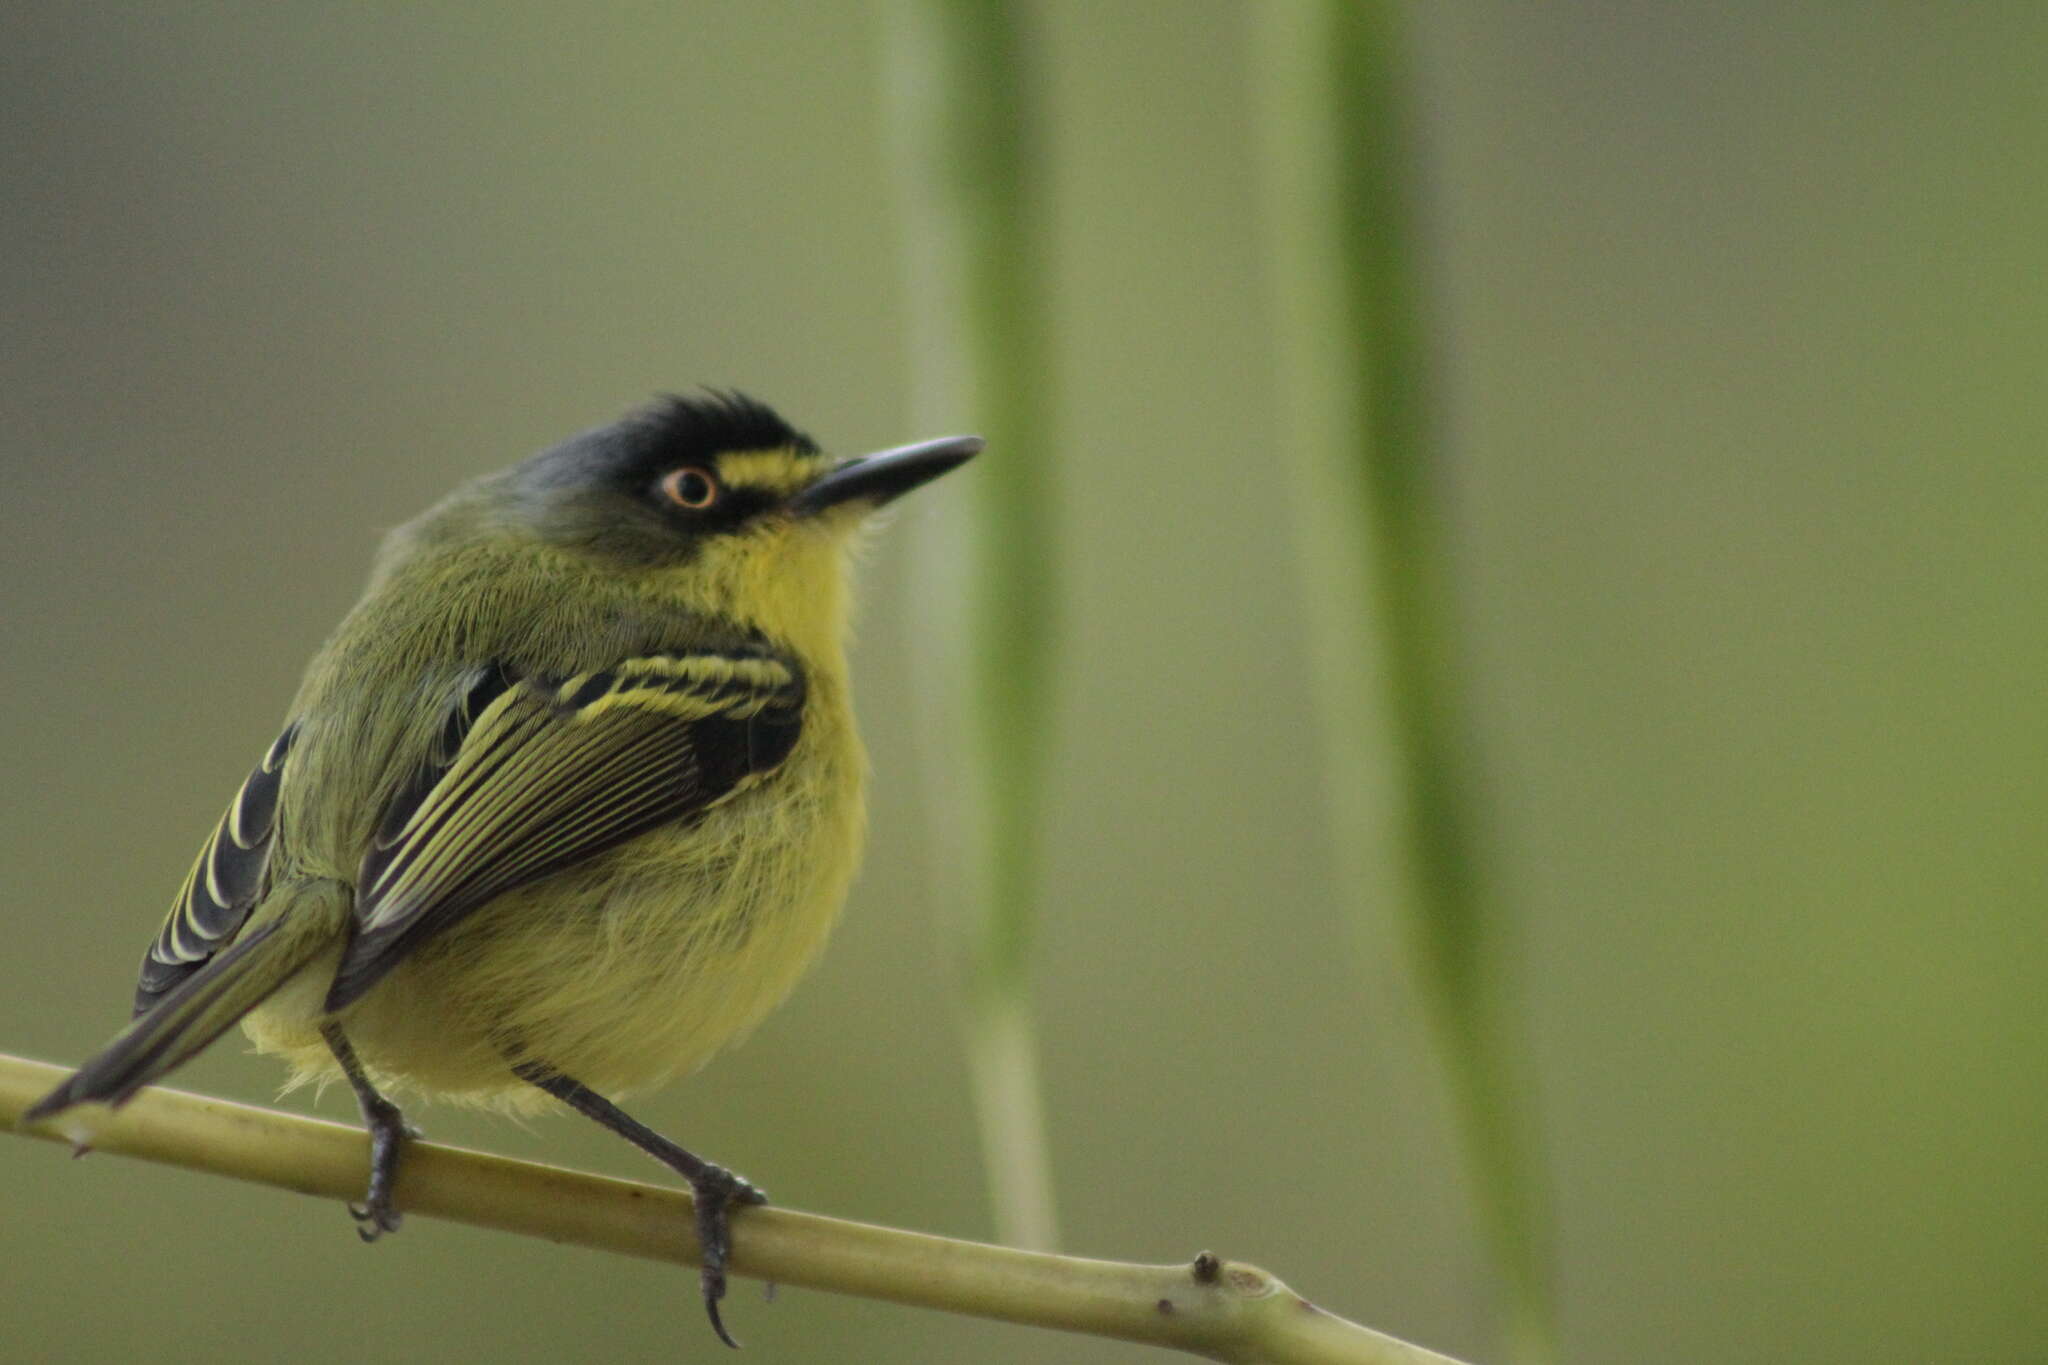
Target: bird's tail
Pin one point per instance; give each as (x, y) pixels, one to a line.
(307, 917)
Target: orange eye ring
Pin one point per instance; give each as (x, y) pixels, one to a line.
(692, 487)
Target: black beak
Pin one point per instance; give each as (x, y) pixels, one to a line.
(890, 474)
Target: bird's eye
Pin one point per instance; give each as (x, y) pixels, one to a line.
(690, 487)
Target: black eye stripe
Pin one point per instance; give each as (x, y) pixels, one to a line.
(736, 505)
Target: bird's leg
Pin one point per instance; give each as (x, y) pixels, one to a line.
(714, 1189)
(388, 1132)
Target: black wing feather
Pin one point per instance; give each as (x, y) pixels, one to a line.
(223, 885)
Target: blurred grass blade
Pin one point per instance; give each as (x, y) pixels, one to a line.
(960, 96)
(1378, 607)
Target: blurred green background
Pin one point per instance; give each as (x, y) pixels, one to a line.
(1741, 317)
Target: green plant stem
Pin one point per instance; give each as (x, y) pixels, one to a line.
(1354, 381)
(962, 132)
(1235, 1313)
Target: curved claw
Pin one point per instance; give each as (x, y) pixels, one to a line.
(374, 1220)
(718, 1323)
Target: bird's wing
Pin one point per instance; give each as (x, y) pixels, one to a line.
(533, 775)
(224, 883)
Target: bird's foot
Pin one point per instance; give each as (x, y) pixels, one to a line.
(375, 1214)
(715, 1191)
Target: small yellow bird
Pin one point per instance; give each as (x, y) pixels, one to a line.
(567, 803)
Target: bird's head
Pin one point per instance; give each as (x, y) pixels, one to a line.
(720, 505)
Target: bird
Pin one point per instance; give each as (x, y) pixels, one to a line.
(566, 804)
